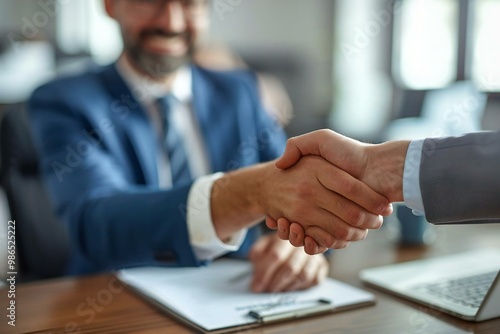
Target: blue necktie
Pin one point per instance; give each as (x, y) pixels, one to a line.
(173, 143)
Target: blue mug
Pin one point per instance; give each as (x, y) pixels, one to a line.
(413, 230)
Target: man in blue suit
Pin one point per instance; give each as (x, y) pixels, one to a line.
(147, 160)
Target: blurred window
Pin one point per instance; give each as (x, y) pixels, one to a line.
(486, 45)
(105, 42)
(426, 43)
(84, 27)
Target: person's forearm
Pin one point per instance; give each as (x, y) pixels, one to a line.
(234, 200)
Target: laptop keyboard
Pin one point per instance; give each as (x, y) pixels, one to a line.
(468, 291)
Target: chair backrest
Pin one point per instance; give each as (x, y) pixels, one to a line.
(41, 239)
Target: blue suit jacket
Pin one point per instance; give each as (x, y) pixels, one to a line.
(98, 157)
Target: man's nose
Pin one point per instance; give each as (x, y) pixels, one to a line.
(172, 17)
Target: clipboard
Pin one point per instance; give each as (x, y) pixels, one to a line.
(304, 309)
(217, 299)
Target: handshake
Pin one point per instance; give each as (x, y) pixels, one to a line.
(355, 184)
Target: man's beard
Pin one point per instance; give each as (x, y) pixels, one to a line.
(158, 66)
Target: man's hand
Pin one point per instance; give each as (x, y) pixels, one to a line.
(278, 266)
(315, 192)
(378, 166)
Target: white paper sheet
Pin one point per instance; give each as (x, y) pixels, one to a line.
(218, 296)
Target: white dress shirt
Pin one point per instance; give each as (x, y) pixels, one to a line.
(203, 238)
(411, 178)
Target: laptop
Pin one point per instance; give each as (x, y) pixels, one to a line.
(465, 285)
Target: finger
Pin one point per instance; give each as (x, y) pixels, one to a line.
(322, 272)
(347, 211)
(265, 267)
(298, 230)
(283, 228)
(296, 235)
(271, 223)
(387, 211)
(337, 228)
(288, 272)
(325, 239)
(314, 272)
(359, 194)
(258, 249)
(304, 278)
(311, 247)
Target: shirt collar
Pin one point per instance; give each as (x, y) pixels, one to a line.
(147, 91)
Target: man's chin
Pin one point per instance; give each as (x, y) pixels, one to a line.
(159, 66)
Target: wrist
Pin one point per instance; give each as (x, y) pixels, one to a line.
(386, 168)
(235, 200)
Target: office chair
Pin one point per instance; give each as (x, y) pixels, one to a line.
(41, 239)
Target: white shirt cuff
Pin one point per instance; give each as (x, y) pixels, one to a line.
(411, 178)
(203, 238)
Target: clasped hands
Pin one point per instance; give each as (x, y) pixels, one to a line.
(360, 181)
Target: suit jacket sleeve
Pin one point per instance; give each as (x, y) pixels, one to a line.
(112, 222)
(460, 178)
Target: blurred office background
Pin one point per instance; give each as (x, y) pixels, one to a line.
(351, 65)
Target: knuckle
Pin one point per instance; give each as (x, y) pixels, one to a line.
(254, 254)
(343, 233)
(328, 240)
(373, 221)
(286, 274)
(350, 187)
(380, 205)
(275, 256)
(297, 242)
(334, 244)
(292, 271)
(355, 188)
(363, 234)
(355, 217)
(302, 279)
(342, 244)
(304, 190)
(284, 237)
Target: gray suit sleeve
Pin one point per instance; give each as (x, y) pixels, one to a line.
(460, 178)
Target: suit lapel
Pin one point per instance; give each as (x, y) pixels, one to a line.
(128, 114)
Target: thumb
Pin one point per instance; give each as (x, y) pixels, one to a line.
(291, 155)
(307, 144)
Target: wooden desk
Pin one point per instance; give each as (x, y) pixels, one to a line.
(100, 304)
